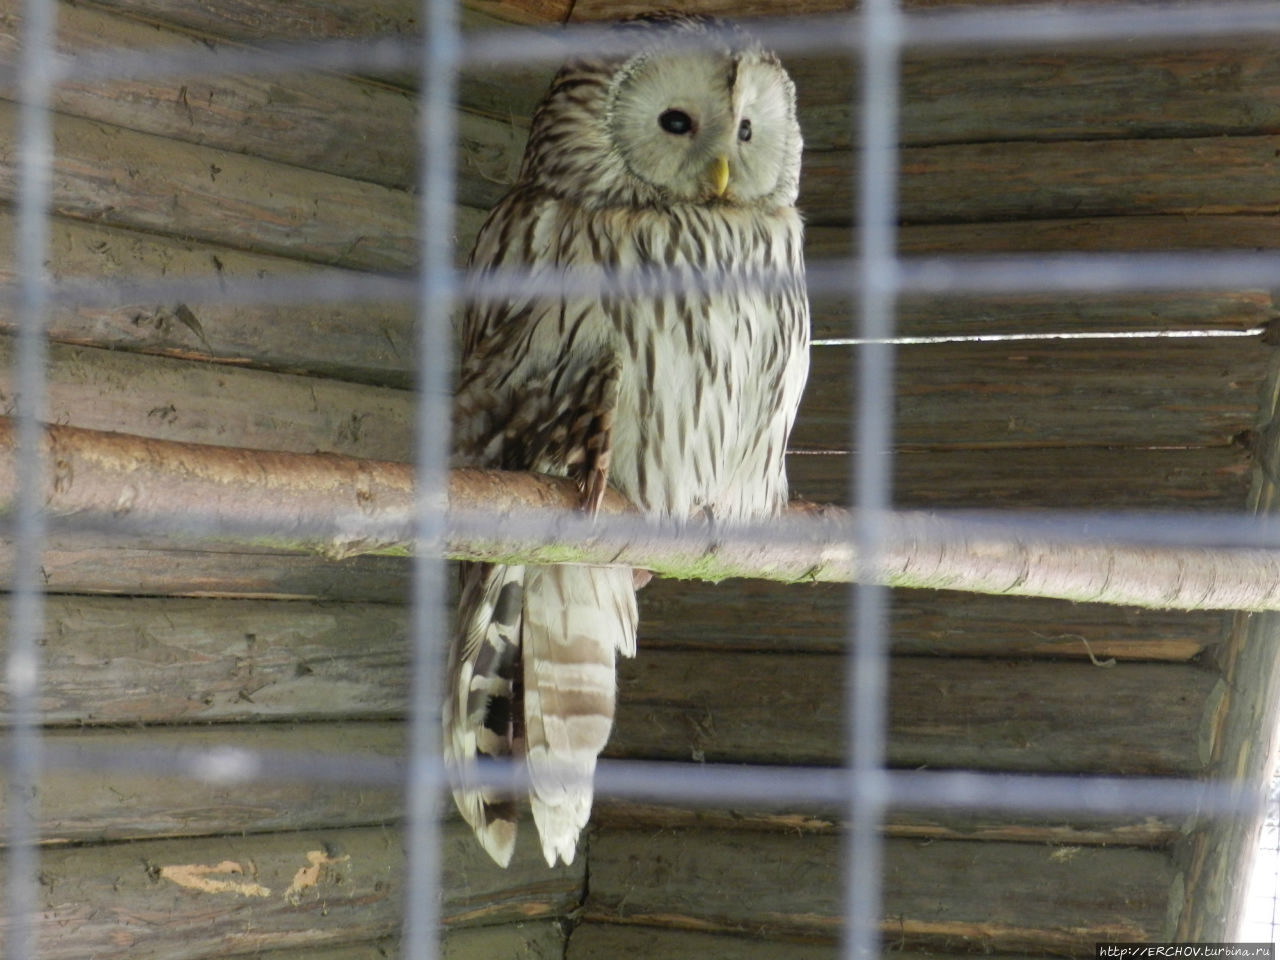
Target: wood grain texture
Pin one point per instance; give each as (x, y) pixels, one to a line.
(227, 896)
(313, 120)
(318, 121)
(974, 183)
(93, 803)
(1128, 231)
(372, 341)
(178, 400)
(316, 19)
(306, 19)
(1149, 393)
(1191, 479)
(89, 564)
(761, 616)
(1134, 831)
(1080, 478)
(675, 704)
(108, 174)
(1217, 855)
(368, 342)
(128, 660)
(610, 9)
(943, 713)
(593, 940)
(989, 896)
(104, 800)
(1044, 95)
(202, 403)
(535, 940)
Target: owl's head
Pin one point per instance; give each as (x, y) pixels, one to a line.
(709, 119)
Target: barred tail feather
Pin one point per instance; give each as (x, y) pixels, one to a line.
(576, 619)
(481, 711)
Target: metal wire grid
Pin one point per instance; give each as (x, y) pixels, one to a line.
(877, 276)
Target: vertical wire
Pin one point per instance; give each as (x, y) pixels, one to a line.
(867, 667)
(22, 662)
(437, 134)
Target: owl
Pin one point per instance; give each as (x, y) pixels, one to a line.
(681, 157)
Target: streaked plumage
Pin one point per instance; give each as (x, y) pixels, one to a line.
(681, 400)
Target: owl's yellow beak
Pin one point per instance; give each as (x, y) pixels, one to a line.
(719, 175)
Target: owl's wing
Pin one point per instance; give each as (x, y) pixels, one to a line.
(481, 712)
(538, 390)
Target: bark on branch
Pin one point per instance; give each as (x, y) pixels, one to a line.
(131, 485)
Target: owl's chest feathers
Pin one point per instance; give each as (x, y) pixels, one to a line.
(708, 372)
(699, 424)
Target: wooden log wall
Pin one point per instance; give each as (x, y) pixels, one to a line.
(301, 176)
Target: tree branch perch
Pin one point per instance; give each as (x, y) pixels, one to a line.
(341, 506)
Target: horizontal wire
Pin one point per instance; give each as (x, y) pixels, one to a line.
(1021, 337)
(932, 276)
(1030, 25)
(676, 782)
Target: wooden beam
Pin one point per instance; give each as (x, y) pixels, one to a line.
(610, 9)
(377, 950)
(175, 399)
(943, 713)
(83, 564)
(591, 940)
(1127, 232)
(1079, 94)
(1216, 856)
(317, 121)
(965, 183)
(946, 99)
(372, 342)
(975, 896)
(317, 19)
(176, 662)
(228, 896)
(284, 501)
(1014, 395)
(112, 175)
(1134, 831)
(970, 396)
(100, 802)
(1080, 478)
(369, 342)
(960, 316)
(539, 940)
(126, 659)
(756, 615)
(303, 20)
(94, 804)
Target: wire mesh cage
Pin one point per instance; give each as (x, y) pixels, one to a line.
(1012, 691)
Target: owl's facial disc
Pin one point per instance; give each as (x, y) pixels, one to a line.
(704, 126)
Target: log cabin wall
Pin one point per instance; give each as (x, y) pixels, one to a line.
(1108, 149)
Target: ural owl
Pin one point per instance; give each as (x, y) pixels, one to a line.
(683, 157)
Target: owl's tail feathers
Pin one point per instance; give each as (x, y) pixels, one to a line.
(481, 711)
(576, 619)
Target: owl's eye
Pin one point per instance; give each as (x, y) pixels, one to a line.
(744, 131)
(676, 121)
